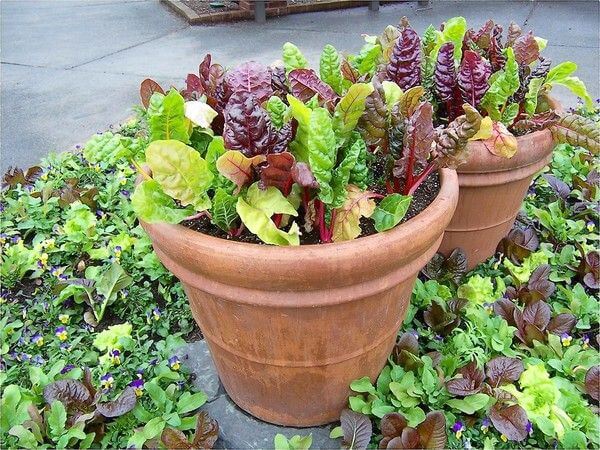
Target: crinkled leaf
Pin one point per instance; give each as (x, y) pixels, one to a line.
(152, 205)
(411, 100)
(469, 383)
(392, 425)
(252, 78)
(293, 57)
(349, 110)
(207, 431)
(175, 439)
(322, 154)
(341, 174)
(445, 73)
(536, 122)
(511, 421)
(504, 85)
(359, 174)
(346, 225)
(577, 131)
(330, 68)
(357, 430)
(418, 139)
(181, 172)
(502, 143)
(306, 84)
(248, 128)
(277, 111)
(502, 370)
(432, 431)
(120, 406)
(147, 88)
(473, 76)
(15, 176)
(454, 31)
(562, 323)
(71, 393)
(374, 121)
(404, 67)
(390, 211)
(166, 117)
(223, 210)
(526, 49)
(386, 40)
(451, 142)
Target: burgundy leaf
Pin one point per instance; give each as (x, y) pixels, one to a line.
(175, 439)
(537, 314)
(349, 73)
(542, 68)
(526, 49)
(120, 406)
(278, 81)
(147, 88)
(306, 84)
(418, 139)
(87, 381)
(529, 333)
(505, 308)
(470, 383)
(473, 77)
(514, 31)
(357, 429)
(405, 350)
(248, 128)
(303, 176)
(502, 370)
(562, 323)
(511, 421)
(539, 287)
(207, 431)
(444, 76)
(483, 36)
(373, 123)
(409, 439)
(392, 424)
(14, 176)
(537, 122)
(519, 244)
(592, 382)
(278, 172)
(71, 393)
(559, 187)
(433, 431)
(193, 87)
(252, 78)
(404, 67)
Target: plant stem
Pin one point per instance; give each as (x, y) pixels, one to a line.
(277, 219)
(331, 224)
(198, 215)
(417, 182)
(305, 197)
(321, 219)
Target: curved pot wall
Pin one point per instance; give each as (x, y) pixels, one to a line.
(290, 327)
(492, 190)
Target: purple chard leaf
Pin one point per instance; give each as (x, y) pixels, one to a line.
(404, 67)
(473, 77)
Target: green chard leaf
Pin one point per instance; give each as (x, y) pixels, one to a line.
(223, 211)
(322, 152)
(302, 114)
(561, 75)
(390, 211)
(166, 117)
(293, 58)
(531, 97)
(454, 31)
(181, 172)
(505, 83)
(341, 174)
(349, 109)
(256, 211)
(152, 205)
(330, 68)
(277, 110)
(360, 172)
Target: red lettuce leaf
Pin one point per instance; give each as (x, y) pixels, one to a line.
(473, 77)
(357, 429)
(511, 421)
(470, 383)
(519, 244)
(306, 84)
(502, 370)
(404, 67)
(252, 78)
(592, 382)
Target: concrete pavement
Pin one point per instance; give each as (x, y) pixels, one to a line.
(71, 68)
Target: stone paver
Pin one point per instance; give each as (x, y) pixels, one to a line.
(72, 68)
(238, 429)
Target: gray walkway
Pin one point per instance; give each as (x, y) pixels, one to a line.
(71, 68)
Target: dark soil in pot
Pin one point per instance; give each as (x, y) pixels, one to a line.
(423, 197)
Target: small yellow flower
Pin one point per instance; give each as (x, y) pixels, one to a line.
(48, 244)
(64, 318)
(504, 438)
(44, 177)
(61, 333)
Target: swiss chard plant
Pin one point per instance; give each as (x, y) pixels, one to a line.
(285, 151)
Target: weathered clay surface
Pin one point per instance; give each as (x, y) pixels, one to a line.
(290, 327)
(492, 190)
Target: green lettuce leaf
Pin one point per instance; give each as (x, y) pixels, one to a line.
(166, 117)
(181, 172)
(152, 205)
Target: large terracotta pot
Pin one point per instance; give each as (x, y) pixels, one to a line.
(492, 190)
(290, 327)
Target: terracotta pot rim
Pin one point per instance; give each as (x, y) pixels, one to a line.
(446, 194)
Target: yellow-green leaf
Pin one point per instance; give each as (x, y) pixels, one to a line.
(349, 109)
(502, 143)
(237, 167)
(346, 225)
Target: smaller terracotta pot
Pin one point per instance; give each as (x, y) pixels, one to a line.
(492, 190)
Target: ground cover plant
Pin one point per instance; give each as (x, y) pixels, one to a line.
(505, 356)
